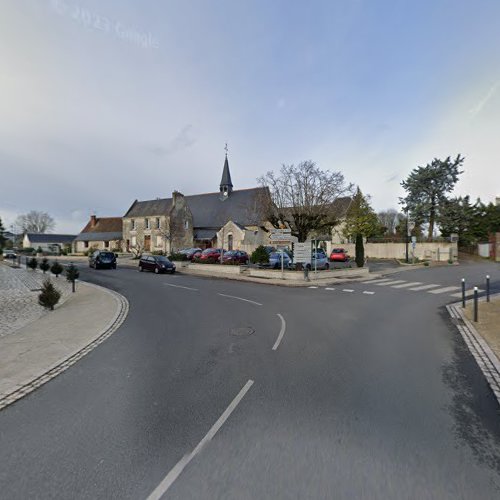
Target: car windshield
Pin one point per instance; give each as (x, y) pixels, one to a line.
(337, 250)
(231, 253)
(161, 258)
(209, 251)
(106, 255)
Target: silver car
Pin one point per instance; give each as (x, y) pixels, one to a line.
(319, 261)
(275, 260)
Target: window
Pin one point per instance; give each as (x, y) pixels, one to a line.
(186, 224)
(159, 241)
(146, 224)
(134, 241)
(230, 241)
(86, 244)
(157, 223)
(132, 222)
(106, 244)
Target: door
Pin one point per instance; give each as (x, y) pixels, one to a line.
(147, 243)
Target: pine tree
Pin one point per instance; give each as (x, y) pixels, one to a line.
(72, 274)
(44, 265)
(49, 296)
(33, 263)
(56, 269)
(260, 255)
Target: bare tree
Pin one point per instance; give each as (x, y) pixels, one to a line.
(303, 196)
(389, 219)
(136, 250)
(35, 222)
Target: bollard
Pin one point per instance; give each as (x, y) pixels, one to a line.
(487, 288)
(463, 293)
(475, 304)
(306, 273)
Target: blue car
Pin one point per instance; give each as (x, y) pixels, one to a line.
(319, 261)
(275, 260)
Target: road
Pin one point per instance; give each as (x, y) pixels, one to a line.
(362, 391)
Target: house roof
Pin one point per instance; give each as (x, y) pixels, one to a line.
(50, 238)
(105, 236)
(104, 225)
(204, 234)
(243, 206)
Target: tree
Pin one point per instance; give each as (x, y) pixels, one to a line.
(44, 265)
(72, 274)
(33, 263)
(49, 295)
(56, 269)
(260, 255)
(35, 222)
(361, 222)
(456, 215)
(389, 220)
(302, 196)
(3, 240)
(427, 188)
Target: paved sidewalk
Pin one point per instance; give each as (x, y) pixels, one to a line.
(34, 354)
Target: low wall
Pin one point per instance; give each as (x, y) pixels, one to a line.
(215, 269)
(299, 275)
(435, 251)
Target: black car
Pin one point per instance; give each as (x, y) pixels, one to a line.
(102, 259)
(157, 264)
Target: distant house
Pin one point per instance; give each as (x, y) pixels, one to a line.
(102, 233)
(48, 242)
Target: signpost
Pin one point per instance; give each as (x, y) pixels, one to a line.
(281, 237)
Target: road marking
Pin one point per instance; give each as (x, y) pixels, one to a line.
(240, 298)
(395, 282)
(282, 332)
(425, 287)
(329, 288)
(368, 293)
(312, 287)
(444, 290)
(405, 285)
(170, 478)
(348, 290)
(376, 281)
(180, 286)
(467, 293)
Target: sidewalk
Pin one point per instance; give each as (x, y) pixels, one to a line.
(37, 352)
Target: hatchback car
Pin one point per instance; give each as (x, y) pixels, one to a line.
(156, 263)
(211, 253)
(190, 253)
(339, 255)
(275, 260)
(102, 259)
(235, 256)
(319, 261)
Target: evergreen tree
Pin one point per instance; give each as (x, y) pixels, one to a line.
(260, 255)
(427, 188)
(44, 265)
(33, 263)
(2, 237)
(56, 269)
(72, 274)
(49, 296)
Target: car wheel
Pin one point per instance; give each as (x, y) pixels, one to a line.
(172, 271)
(141, 269)
(157, 270)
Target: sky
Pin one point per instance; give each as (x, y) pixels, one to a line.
(105, 102)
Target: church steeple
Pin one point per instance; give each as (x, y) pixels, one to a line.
(226, 186)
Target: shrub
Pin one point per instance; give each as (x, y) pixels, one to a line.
(450, 261)
(360, 251)
(426, 263)
(56, 269)
(44, 265)
(28, 250)
(49, 296)
(39, 250)
(33, 263)
(72, 274)
(177, 256)
(260, 255)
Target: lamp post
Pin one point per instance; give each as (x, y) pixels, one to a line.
(407, 234)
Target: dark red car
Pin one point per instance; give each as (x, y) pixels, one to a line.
(235, 256)
(211, 253)
(157, 264)
(339, 255)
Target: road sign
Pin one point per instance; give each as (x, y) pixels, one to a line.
(281, 231)
(302, 252)
(280, 237)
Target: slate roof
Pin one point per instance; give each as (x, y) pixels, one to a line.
(50, 238)
(92, 236)
(226, 175)
(209, 211)
(204, 234)
(104, 225)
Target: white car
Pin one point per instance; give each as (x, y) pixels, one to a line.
(9, 254)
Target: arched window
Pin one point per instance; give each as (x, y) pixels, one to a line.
(229, 241)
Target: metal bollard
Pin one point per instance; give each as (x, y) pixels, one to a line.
(475, 304)
(463, 293)
(306, 273)
(487, 288)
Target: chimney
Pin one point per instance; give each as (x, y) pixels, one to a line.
(93, 220)
(176, 195)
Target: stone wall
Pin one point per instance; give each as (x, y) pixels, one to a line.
(181, 223)
(159, 226)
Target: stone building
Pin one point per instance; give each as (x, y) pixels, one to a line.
(169, 224)
(100, 233)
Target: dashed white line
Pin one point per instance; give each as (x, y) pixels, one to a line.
(329, 288)
(407, 285)
(376, 281)
(425, 287)
(170, 478)
(368, 293)
(444, 290)
(180, 286)
(282, 332)
(348, 290)
(312, 287)
(240, 298)
(387, 283)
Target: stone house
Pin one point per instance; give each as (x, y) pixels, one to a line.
(100, 233)
(53, 243)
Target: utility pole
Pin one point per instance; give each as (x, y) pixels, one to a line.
(407, 234)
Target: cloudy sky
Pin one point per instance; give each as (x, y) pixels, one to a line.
(103, 102)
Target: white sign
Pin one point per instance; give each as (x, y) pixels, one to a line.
(302, 252)
(281, 231)
(280, 237)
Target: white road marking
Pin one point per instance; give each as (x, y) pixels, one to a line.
(406, 285)
(425, 287)
(376, 281)
(348, 290)
(387, 283)
(368, 293)
(329, 288)
(467, 293)
(180, 286)
(240, 298)
(444, 290)
(312, 287)
(282, 332)
(170, 478)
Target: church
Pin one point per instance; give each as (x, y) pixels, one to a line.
(228, 218)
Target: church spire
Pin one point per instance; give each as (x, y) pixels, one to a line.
(226, 186)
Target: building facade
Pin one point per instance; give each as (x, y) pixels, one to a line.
(100, 233)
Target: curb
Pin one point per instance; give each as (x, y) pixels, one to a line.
(49, 374)
(484, 356)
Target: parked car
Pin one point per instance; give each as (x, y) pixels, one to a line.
(339, 255)
(275, 260)
(157, 264)
(102, 259)
(211, 253)
(238, 256)
(9, 254)
(319, 261)
(190, 252)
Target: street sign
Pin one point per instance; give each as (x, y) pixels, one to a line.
(281, 231)
(302, 252)
(280, 237)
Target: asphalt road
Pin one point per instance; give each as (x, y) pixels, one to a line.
(367, 395)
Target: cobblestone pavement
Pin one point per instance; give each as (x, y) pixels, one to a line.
(19, 289)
